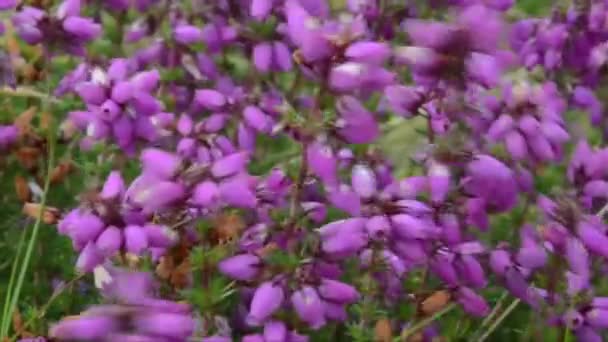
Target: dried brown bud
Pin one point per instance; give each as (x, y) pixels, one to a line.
(435, 302)
(22, 189)
(50, 215)
(28, 157)
(61, 171)
(23, 121)
(383, 331)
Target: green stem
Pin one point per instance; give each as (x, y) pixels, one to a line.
(52, 299)
(27, 92)
(405, 334)
(494, 312)
(16, 292)
(498, 321)
(6, 319)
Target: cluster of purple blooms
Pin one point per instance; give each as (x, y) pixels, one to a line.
(495, 96)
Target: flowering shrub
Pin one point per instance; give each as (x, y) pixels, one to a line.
(304, 170)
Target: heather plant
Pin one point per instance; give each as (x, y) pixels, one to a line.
(303, 170)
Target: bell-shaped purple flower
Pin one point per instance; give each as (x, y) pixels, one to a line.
(136, 240)
(88, 328)
(472, 303)
(275, 331)
(309, 307)
(337, 291)
(267, 299)
(165, 324)
(241, 267)
(363, 181)
(594, 239)
(188, 34)
(205, 194)
(110, 241)
(159, 163)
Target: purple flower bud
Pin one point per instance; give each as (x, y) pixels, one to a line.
(596, 188)
(322, 163)
(309, 307)
(378, 226)
(122, 92)
(404, 101)
(345, 199)
(159, 163)
(88, 328)
(516, 145)
(471, 271)
(216, 339)
(88, 258)
(110, 110)
(136, 240)
(86, 228)
(209, 99)
(541, 148)
(588, 334)
(363, 181)
(146, 81)
(238, 193)
(500, 127)
(500, 261)
(110, 241)
(165, 324)
(91, 93)
(346, 76)
(597, 318)
(257, 119)
(243, 267)
(260, 9)
(368, 52)
(555, 133)
(472, 303)
(357, 125)
(595, 240)
(267, 299)
(573, 319)
(282, 56)
(83, 28)
(253, 338)
(8, 135)
(205, 194)
(230, 165)
(262, 56)
(344, 243)
(145, 104)
(8, 4)
(533, 256)
(493, 181)
(275, 331)
(442, 266)
(160, 236)
(410, 227)
(187, 34)
(439, 181)
(337, 291)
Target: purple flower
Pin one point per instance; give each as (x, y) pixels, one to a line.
(267, 299)
(309, 307)
(241, 267)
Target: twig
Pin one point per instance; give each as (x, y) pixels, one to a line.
(53, 297)
(27, 92)
(406, 333)
(14, 293)
(499, 320)
(495, 310)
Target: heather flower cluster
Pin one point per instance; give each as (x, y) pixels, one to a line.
(246, 191)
